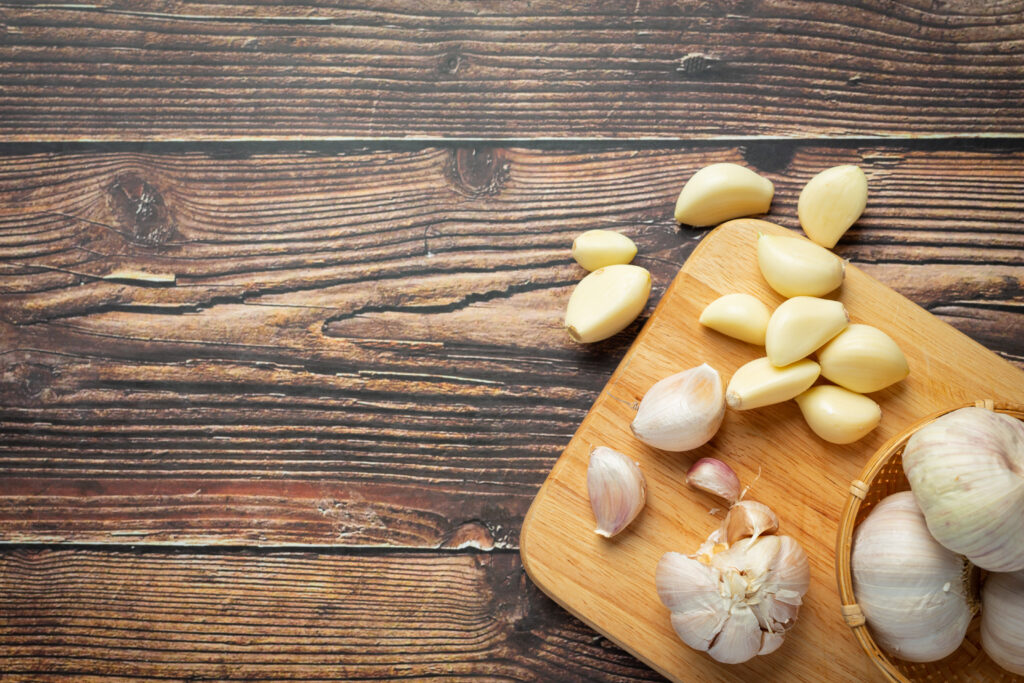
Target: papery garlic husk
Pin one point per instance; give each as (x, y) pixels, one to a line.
(682, 411)
(715, 477)
(1002, 620)
(966, 469)
(739, 603)
(749, 519)
(740, 316)
(913, 592)
(617, 490)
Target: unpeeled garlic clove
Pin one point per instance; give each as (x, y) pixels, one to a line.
(682, 411)
(831, 202)
(738, 315)
(617, 490)
(838, 415)
(719, 192)
(759, 383)
(795, 267)
(715, 477)
(595, 249)
(862, 358)
(801, 325)
(749, 519)
(606, 301)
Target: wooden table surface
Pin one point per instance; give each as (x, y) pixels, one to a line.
(281, 357)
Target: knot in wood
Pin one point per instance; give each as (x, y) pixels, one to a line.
(140, 208)
(696, 64)
(478, 171)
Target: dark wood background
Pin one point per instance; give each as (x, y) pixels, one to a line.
(281, 358)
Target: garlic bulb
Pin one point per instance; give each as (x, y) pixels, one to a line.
(1002, 620)
(966, 469)
(912, 591)
(617, 490)
(681, 412)
(714, 477)
(738, 600)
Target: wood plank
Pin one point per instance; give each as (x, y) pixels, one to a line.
(393, 68)
(363, 345)
(112, 614)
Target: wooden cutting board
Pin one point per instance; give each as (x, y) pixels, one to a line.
(609, 584)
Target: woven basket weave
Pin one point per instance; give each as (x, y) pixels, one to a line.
(883, 476)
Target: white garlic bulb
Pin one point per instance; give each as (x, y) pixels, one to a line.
(682, 411)
(734, 601)
(617, 490)
(1002, 620)
(912, 591)
(966, 469)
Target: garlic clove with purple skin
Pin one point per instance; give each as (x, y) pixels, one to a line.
(715, 477)
(617, 490)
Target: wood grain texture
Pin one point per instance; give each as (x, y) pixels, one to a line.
(610, 584)
(654, 68)
(363, 345)
(119, 614)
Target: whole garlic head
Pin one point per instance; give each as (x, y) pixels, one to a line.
(735, 601)
(1002, 620)
(966, 469)
(682, 411)
(913, 591)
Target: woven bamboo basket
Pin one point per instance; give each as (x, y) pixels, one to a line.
(883, 476)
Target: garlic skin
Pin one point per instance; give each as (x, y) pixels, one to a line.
(864, 359)
(795, 267)
(913, 591)
(740, 602)
(1002, 620)
(800, 326)
(617, 490)
(606, 301)
(838, 415)
(966, 469)
(749, 519)
(719, 192)
(740, 316)
(831, 202)
(682, 411)
(715, 477)
(759, 383)
(595, 249)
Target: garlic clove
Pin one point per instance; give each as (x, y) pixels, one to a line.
(801, 325)
(838, 415)
(682, 411)
(738, 315)
(617, 490)
(739, 639)
(831, 202)
(715, 477)
(606, 301)
(719, 192)
(749, 519)
(595, 249)
(795, 267)
(759, 383)
(862, 358)
(770, 642)
(1002, 620)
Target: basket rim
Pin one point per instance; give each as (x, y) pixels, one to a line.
(852, 614)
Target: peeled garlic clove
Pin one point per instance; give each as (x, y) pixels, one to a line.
(913, 591)
(617, 490)
(862, 358)
(831, 202)
(749, 519)
(715, 477)
(681, 412)
(838, 415)
(719, 192)
(606, 301)
(966, 469)
(1002, 620)
(759, 383)
(801, 325)
(595, 249)
(795, 267)
(738, 315)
